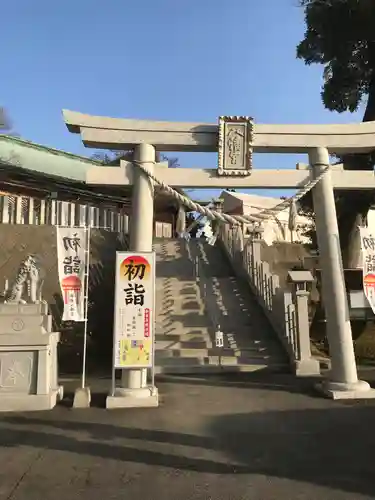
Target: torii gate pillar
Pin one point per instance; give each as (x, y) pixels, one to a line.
(342, 382)
(134, 391)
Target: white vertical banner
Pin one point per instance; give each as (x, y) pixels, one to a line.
(71, 255)
(368, 259)
(134, 309)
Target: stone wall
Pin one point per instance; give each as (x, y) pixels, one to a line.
(283, 256)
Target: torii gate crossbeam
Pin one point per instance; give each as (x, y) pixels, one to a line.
(207, 178)
(119, 133)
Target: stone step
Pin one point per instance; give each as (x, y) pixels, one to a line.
(189, 287)
(179, 322)
(188, 317)
(214, 360)
(226, 354)
(184, 291)
(174, 281)
(202, 325)
(205, 342)
(167, 291)
(203, 334)
(177, 331)
(182, 344)
(185, 342)
(209, 346)
(180, 308)
(173, 335)
(191, 369)
(207, 334)
(177, 297)
(167, 286)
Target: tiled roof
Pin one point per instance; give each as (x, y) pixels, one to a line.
(47, 149)
(16, 152)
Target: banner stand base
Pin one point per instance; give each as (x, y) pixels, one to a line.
(147, 397)
(82, 398)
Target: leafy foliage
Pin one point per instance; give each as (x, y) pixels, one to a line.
(114, 157)
(111, 157)
(340, 35)
(172, 161)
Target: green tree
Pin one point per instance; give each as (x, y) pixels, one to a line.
(114, 157)
(340, 35)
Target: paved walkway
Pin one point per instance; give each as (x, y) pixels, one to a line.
(239, 438)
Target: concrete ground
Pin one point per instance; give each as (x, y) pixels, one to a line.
(244, 437)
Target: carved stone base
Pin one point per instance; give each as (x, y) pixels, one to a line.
(28, 358)
(25, 318)
(29, 402)
(334, 390)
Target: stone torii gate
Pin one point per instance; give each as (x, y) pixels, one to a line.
(235, 139)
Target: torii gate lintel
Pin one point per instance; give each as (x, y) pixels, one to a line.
(120, 133)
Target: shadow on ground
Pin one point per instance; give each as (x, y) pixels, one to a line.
(261, 380)
(328, 447)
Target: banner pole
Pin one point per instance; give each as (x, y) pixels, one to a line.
(113, 371)
(86, 301)
(153, 322)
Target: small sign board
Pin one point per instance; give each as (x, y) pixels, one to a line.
(235, 145)
(134, 309)
(219, 338)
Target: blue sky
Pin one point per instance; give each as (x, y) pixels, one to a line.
(157, 59)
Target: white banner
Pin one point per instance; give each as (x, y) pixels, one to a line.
(133, 336)
(71, 255)
(368, 259)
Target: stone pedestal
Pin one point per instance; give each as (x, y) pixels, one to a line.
(144, 397)
(82, 397)
(28, 358)
(337, 390)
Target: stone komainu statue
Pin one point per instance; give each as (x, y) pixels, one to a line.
(29, 273)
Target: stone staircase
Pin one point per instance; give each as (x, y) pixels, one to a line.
(189, 311)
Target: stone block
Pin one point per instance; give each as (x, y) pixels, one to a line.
(82, 397)
(337, 390)
(25, 318)
(28, 358)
